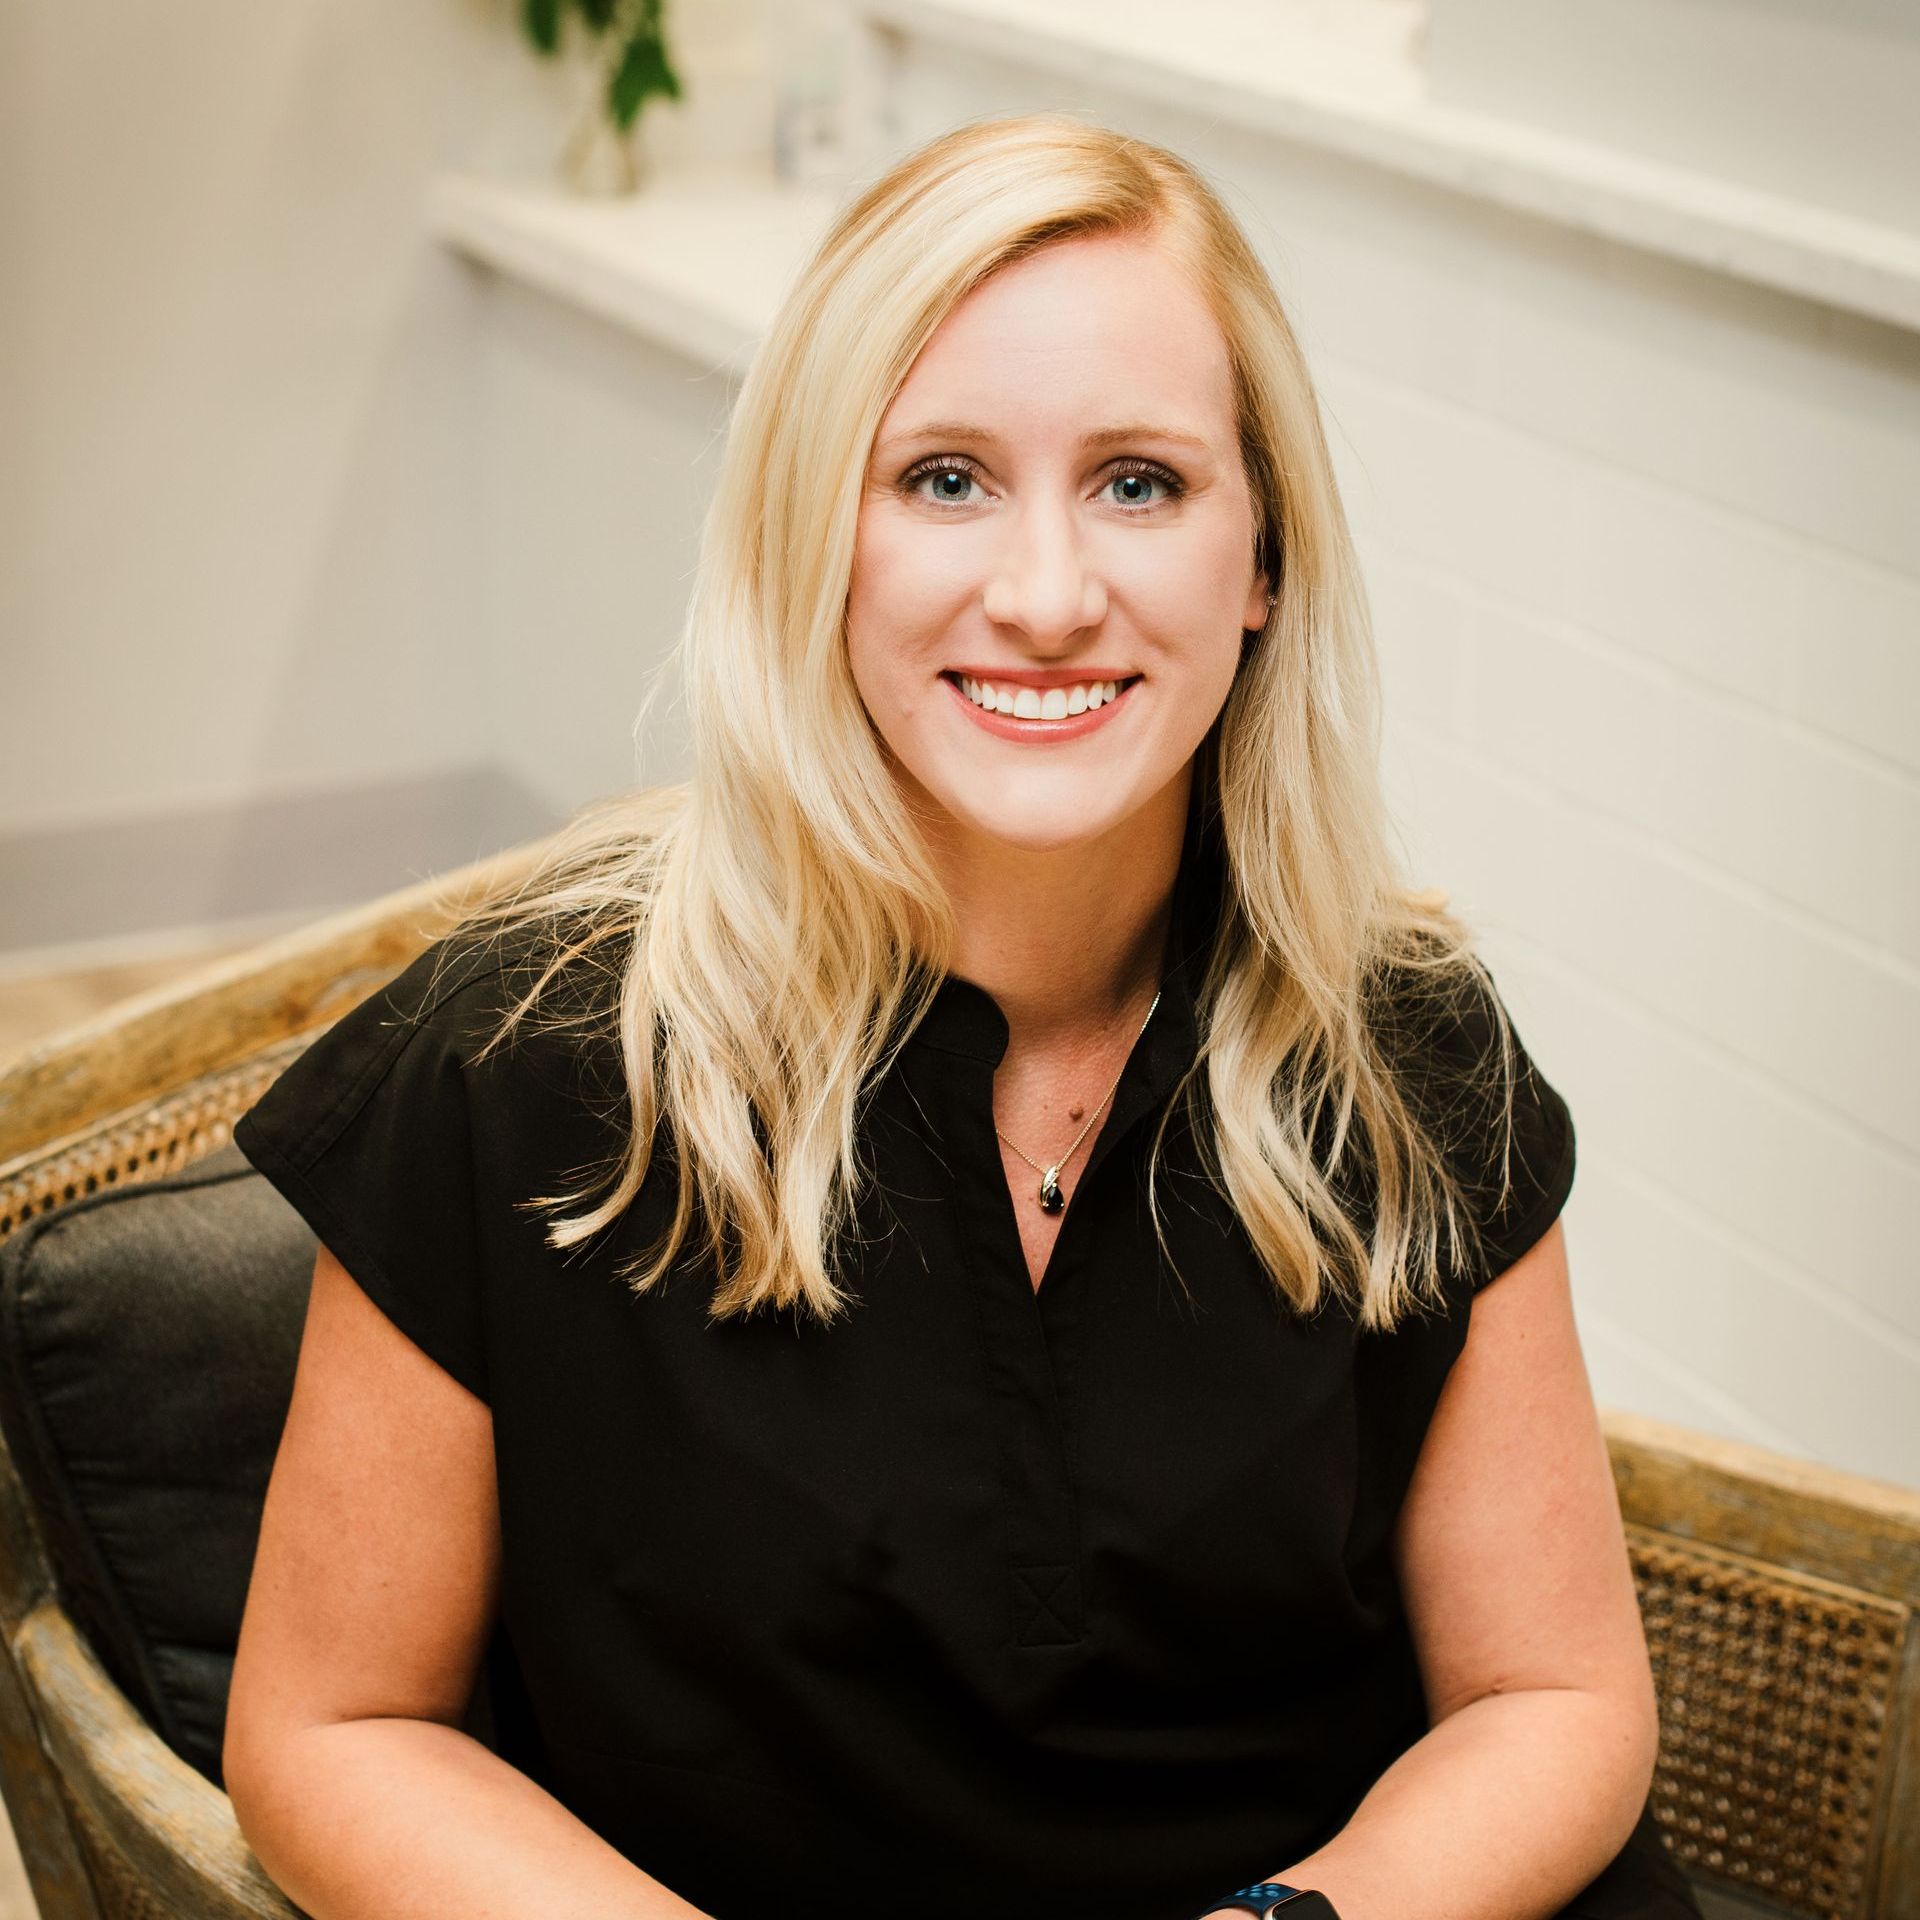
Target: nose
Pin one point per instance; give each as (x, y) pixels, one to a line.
(1041, 582)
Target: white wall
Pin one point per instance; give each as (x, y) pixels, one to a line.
(596, 461)
(251, 568)
(1812, 99)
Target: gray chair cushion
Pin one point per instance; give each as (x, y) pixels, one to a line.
(148, 1335)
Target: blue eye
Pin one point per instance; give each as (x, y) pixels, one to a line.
(955, 475)
(943, 470)
(1137, 482)
(1134, 472)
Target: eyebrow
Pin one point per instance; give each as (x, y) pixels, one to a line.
(960, 430)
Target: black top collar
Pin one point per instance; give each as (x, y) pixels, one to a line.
(966, 1020)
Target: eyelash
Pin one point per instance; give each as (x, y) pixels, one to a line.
(959, 463)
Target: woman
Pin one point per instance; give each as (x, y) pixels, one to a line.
(1019, 1418)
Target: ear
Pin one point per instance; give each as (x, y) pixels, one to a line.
(1253, 615)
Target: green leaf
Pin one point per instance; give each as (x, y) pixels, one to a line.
(643, 70)
(541, 18)
(598, 14)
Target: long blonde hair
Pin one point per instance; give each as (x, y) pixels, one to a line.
(770, 932)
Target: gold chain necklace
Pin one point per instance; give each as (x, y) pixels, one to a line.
(1050, 1197)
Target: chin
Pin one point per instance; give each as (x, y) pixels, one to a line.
(1036, 829)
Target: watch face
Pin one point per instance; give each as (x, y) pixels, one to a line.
(1265, 1895)
(1307, 1904)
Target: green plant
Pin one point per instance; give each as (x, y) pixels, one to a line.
(637, 63)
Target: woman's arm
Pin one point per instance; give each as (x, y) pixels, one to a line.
(1512, 1560)
(373, 1593)
(376, 1817)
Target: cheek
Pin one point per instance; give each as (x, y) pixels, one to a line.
(900, 609)
(883, 563)
(869, 566)
(884, 642)
(867, 612)
(1193, 609)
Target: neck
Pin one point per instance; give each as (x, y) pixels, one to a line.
(1069, 941)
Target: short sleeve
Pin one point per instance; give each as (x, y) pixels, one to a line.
(1464, 1089)
(367, 1135)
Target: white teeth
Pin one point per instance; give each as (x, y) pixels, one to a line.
(1030, 703)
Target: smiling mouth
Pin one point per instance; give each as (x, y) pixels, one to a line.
(1021, 702)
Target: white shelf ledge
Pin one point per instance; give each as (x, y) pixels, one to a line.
(1348, 79)
(696, 261)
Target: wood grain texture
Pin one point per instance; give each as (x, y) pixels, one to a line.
(171, 1830)
(1818, 1520)
(42, 1829)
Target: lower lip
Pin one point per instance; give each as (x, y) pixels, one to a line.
(1038, 731)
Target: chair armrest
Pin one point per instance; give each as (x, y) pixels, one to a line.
(158, 1836)
(1799, 1514)
(222, 1014)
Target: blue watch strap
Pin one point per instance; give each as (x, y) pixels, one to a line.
(1269, 1896)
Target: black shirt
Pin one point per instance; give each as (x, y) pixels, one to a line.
(980, 1601)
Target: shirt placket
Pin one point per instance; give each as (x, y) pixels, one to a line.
(1045, 1595)
(1046, 1607)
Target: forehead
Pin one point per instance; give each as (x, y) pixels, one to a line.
(1086, 330)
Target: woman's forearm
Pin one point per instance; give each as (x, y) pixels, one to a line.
(1503, 1811)
(363, 1819)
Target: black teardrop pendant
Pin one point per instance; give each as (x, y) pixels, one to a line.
(1051, 1198)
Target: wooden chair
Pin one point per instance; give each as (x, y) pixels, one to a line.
(1779, 1597)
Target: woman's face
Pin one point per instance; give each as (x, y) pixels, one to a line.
(1055, 500)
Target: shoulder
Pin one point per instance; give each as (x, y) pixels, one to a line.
(1504, 1130)
(1435, 1015)
(436, 1036)
(1446, 1035)
(461, 988)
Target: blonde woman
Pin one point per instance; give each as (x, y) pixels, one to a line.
(966, 1315)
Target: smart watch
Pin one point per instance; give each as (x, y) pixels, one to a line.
(1271, 1897)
